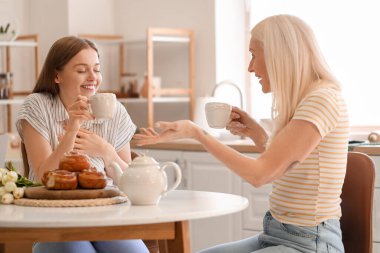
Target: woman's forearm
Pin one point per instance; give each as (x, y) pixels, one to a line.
(52, 161)
(110, 155)
(259, 136)
(122, 158)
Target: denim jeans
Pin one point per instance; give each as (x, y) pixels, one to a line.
(286, 238)
(121, 246)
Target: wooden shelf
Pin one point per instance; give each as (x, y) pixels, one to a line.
(18, 44)
(174, 39)
(174, 36)
(161, 95)
(11, 101)
(116, 40)
(30, 40)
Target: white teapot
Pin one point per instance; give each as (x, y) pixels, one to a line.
(145, 181)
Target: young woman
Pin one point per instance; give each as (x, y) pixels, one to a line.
(55, 119)
(305, 157)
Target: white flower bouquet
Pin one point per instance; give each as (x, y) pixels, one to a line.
(12, 184)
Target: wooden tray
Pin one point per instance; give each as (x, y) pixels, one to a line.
(41, 192)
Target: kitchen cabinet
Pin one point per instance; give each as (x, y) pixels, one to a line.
(21, 41)
(203, 172)
(259, 205)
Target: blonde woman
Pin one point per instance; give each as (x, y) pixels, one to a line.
(305, 157)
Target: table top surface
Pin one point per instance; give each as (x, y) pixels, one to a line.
(175, 206)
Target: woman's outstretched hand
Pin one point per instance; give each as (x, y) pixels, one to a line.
(168, 131)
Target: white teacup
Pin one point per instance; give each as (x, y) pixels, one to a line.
(103, 105)
(218, 114)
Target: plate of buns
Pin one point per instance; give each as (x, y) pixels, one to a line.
(74, 180)
(74, 172)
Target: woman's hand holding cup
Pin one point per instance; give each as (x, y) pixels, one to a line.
(78, 113)
(239, 120)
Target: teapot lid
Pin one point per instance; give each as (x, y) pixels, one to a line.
(144, 160)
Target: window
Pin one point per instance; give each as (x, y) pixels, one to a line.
(348, 35)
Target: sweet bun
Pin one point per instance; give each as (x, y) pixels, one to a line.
(60, 180)
(92, 179)
(74, 162)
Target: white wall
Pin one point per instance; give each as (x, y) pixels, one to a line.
(18, 9)
(89, 16)
(48, 19)
(97, 17)
(33, 18)
(231, 47)
(347, 33)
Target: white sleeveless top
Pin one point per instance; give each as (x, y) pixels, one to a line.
(47, 115)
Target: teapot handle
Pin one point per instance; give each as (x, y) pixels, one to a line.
(115, 172)
(178, 176)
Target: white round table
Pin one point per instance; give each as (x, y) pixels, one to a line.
(166, 221)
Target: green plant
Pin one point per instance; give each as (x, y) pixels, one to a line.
(4, 30)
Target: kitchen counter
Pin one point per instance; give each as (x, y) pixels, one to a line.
(244, 146)
(241, 145)
(367, 148)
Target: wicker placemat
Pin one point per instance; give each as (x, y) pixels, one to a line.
(70, 203)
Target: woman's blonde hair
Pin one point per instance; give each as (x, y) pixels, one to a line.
(294, 64)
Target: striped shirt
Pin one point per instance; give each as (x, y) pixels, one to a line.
(309, 193)
(47, 115)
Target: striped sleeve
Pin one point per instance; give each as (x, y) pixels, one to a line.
(321, 108)
(32, 111)
(126, 128)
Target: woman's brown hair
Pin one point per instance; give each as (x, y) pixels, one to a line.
(60, 53)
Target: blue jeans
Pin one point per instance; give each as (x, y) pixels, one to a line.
(122, 246)
(285, 238)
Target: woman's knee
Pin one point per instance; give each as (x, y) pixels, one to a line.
(63, 247)
(120, 246)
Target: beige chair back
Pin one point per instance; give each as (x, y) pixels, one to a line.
(25, 160)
